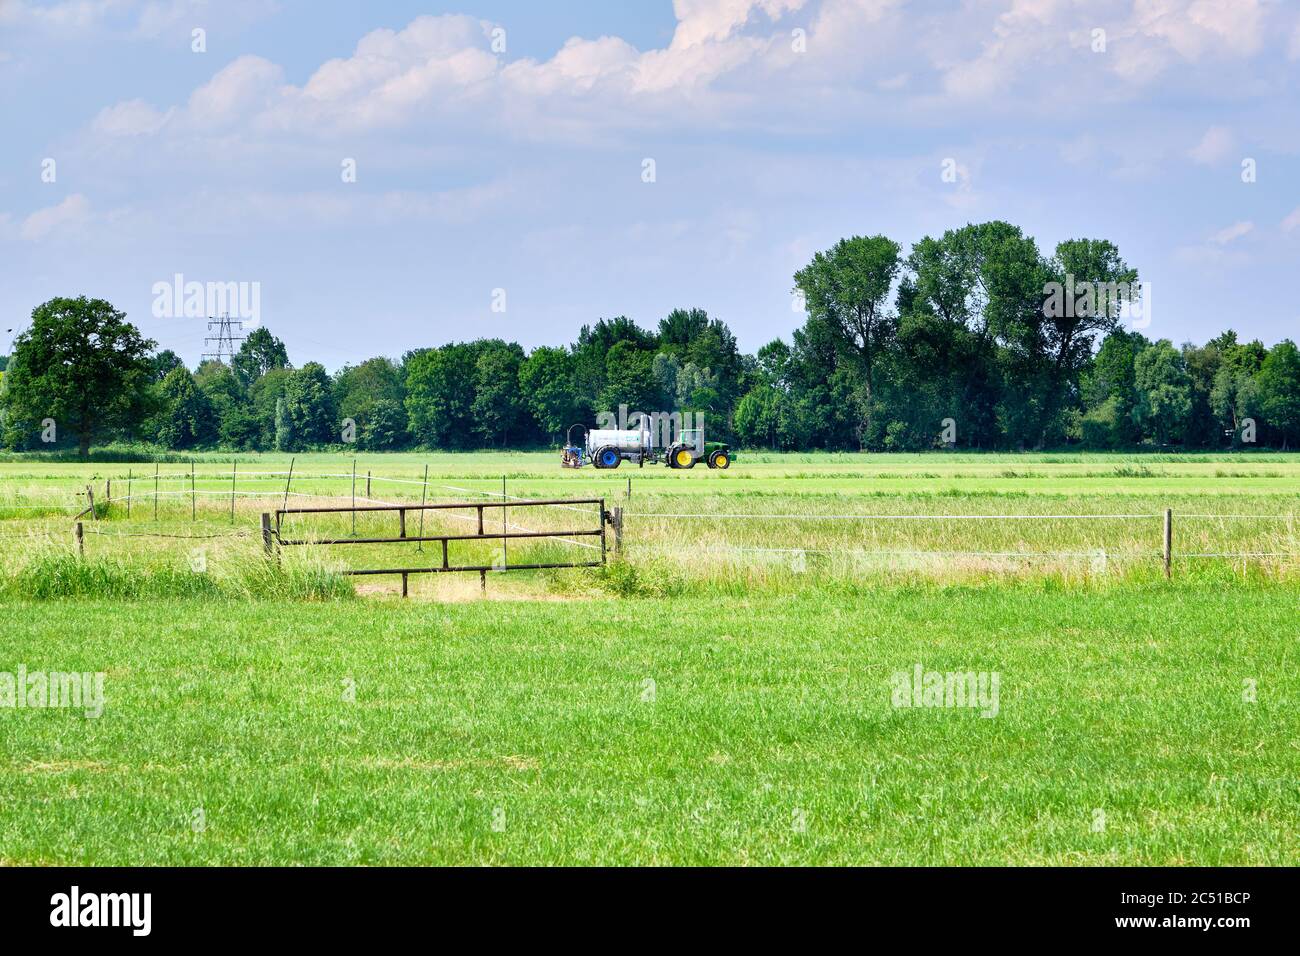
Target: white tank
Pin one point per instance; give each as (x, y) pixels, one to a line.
(623, 439)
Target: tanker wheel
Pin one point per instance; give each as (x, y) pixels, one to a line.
(608, 457)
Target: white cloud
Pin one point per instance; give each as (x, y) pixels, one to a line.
(70, 214)
(129, 118)
(701, 22)
(247, 85)
(1202, 27)
(1235, 231)
(1215, 146)
(728, 65)
(442, 65)
(1032, 43)
(1018, 41)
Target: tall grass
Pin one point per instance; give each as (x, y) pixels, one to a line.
(789, 532)
(49, 573)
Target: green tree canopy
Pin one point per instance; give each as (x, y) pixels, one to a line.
(546, 383)
(1279, 391)
(82, 364)
(1164, 392)
(258, 354)
(440, 395)
(308, 408)
(187, 418)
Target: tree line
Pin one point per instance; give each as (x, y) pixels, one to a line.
(975, 339)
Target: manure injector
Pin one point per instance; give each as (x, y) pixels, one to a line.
(610, 447)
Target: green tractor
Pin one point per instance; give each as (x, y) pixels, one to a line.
(691, 448)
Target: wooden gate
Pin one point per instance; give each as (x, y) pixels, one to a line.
(273, 538)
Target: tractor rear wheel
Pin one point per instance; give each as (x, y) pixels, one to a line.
(720, 459)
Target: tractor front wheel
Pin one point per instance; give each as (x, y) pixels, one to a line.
(720, 459)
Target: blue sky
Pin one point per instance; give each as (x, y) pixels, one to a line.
(775, 128)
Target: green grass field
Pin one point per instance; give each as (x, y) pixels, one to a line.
(724, 693)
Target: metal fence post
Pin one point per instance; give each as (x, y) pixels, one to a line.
(618, 530)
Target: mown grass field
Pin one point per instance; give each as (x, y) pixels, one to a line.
(694, 703)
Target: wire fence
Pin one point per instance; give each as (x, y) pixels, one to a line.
(359, 491)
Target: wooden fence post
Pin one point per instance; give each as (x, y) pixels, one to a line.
(1169, 541)
(90, 498)
(367, 484)
(78, 536)
(618, 530)
(266, 533)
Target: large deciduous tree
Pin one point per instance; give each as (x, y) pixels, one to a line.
(1279, 391)
(498, 406)
(440, 395)
(187, 418)
(259, 353)
(1164, 392)
(308, 408)
(847, 288)
(546, 381)
(82, 364)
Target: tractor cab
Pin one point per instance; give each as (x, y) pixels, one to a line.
(690, 447)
